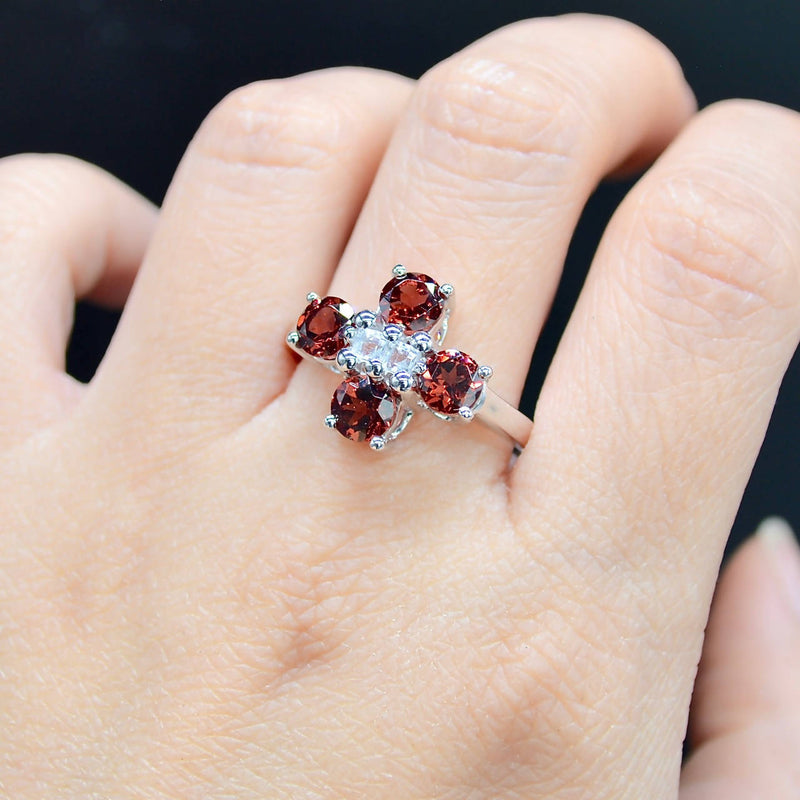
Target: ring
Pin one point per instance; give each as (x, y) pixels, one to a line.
(393, 363)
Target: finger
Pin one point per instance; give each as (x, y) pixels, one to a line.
(258, 213)
(68, 230)
(492, 163)
(746, 706)
(659, 396)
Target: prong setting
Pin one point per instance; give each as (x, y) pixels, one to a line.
(399, 271)
(364, 319)
(392, 332)
(466, 413)
(312, 296)
(377, 442)
(331, 420)
(446, 290)
(375, 369)
(401, 382)
(346, 359)
(485, 372)
(422, 341)
(293, 338)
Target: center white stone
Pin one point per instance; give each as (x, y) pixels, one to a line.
(400, 355)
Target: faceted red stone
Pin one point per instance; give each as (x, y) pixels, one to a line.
(450, 381)
(363, 409)
(412, 301)
(320, 327)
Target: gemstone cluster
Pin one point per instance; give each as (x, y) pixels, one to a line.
(390, 358)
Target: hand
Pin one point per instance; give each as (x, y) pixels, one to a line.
(205, 594)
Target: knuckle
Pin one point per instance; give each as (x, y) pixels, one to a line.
(278, 124)
(547, 691)
(19, 163)
(311, 607)
(528, 90)
(714, 242)
(41, 176)
(742, 113)
(33, 190)
(475, 104)
(313, 620)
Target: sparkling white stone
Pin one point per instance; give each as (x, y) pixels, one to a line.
(371, 344)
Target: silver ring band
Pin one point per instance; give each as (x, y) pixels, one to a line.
(502, 416)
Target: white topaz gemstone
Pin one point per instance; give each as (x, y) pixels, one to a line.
(370, 344)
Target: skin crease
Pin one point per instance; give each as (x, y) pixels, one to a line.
(204, 594)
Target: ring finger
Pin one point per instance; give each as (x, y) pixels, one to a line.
(490, 167)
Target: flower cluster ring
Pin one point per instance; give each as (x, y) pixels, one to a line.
(393, 363)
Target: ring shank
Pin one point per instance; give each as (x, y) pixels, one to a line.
(502, 416)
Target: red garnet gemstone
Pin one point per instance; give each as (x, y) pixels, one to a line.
(450, 381)
(412, 301)
(320, 327)
(363, 409)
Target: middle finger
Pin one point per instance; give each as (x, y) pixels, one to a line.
(260, 207)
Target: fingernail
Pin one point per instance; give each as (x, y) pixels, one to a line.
(783, 551)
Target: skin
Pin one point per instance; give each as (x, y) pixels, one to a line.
(204, 594)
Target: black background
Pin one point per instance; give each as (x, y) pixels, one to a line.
(125, 84)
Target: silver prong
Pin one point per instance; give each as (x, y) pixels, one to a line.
(312, 296)
(331, 420)
(485, 372)
(392, 332)
(348, 332)
(446, 290)
(293, 338)
(346, 359)
(375, 369)
(399, 270)
(401, 382)
(422, 341)
(364, 319)
(465, 413)
(377, 442)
